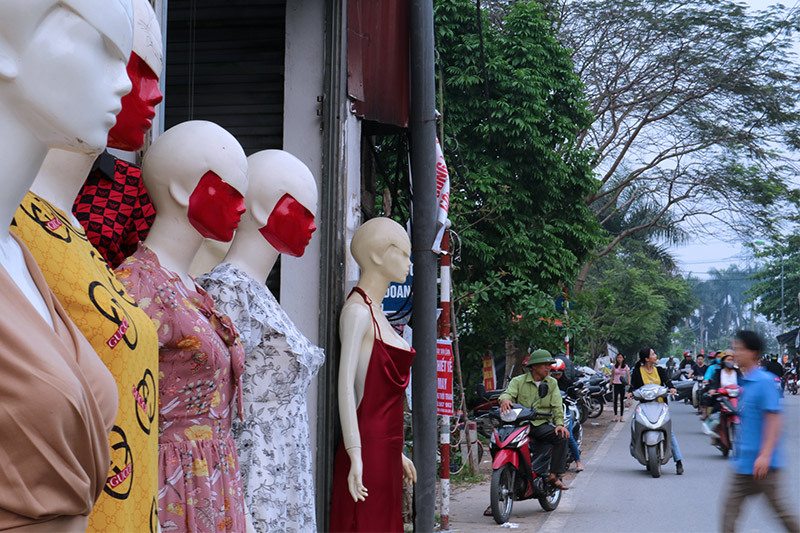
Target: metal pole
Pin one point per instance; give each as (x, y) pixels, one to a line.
(444, 428)
(422, 122)
(782, 307)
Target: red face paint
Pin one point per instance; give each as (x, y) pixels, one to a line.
(289, 227)
(138, 107)
(215, 208)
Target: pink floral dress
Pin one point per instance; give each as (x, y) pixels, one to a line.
(200, 367)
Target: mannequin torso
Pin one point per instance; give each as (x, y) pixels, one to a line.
(280, 360)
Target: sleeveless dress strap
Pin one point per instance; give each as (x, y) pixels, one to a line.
(376, 331)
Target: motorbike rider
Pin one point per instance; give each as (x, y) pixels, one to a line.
(645, 372)
(699, 368)
(687, 360)
(773, 365)
(536, 389)
(558, 372)
(726, 374)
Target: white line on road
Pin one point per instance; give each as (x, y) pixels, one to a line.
(557, 520)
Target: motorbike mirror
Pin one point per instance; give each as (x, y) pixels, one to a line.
(543, 390)
(624, 380)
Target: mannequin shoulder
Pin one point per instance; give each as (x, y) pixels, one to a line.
(355, 313)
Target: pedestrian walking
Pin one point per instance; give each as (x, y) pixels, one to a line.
(619, 371)
(759, 459)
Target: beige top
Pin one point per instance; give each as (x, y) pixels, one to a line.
(59, 403)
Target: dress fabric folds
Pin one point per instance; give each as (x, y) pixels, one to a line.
(273, 439)
(200, 367)
(58, 405)
(380, 424)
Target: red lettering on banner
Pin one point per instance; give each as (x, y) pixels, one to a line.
(142, 403)
(53, 224)
(114, 340)
(116, 480)
(444, 378)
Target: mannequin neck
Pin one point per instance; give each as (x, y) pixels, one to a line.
(251, 252)
(21, 154)
(175, 242)
(61, 177)
(374, 284)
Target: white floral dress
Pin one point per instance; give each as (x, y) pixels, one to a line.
(273, 441)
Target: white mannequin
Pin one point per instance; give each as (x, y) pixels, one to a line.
(63, 172)
(382, 249)
(171, 170)
(271, 174)
(62, 76)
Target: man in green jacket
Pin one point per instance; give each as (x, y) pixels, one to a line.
(536, 389)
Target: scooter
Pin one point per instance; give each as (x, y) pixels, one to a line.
(651, 427)
(724, 424)
(697, 391)
(791, 380)
(520, 470)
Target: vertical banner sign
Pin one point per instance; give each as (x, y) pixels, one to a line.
(488, 373)
(444, 378)
(442, 197)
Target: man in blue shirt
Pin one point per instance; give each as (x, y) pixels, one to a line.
(759, 455)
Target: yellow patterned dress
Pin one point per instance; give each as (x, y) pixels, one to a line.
(125, 339)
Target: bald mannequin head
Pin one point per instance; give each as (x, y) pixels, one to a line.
(382, 246)
(271, 175)
(62, 68)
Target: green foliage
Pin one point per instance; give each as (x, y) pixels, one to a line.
(632, 301)
(517, 180)
(766, 290)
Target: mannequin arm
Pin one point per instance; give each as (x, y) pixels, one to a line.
(409, 471)
(354, 323)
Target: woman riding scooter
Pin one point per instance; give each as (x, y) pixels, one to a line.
(645, 373)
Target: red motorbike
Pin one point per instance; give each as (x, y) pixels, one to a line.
(724, 433)
(520, 470)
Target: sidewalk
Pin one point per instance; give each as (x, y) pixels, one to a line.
(467, 504)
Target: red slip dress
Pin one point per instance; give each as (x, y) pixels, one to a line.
(380, 423)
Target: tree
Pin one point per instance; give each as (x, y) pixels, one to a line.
(632, 300)
(512, 111)
(766, 290)
(694, 107)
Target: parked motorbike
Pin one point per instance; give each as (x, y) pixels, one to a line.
(790, 377)
(520, 470)
(723, 425)
(651, 427)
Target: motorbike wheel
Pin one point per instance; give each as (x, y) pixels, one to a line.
(583, 409)
(597, 408)
(551, 501)
(653, 461)
(502, 493)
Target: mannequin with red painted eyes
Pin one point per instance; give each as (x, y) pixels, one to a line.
(280, 361)
(122, 334)
(196, 174)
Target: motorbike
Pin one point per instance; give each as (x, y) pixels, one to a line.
(697, 391)
(723, 425)
(790, 378)
(683, 385)
(519, 468)
(651, 427)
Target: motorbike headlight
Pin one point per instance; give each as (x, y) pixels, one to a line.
(519, 440)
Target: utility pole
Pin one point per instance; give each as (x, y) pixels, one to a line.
(422, 123)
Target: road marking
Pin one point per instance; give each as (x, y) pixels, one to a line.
(557, 520)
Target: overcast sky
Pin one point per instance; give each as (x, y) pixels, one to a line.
(701, 255)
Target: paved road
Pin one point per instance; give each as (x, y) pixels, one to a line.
(616, 494)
